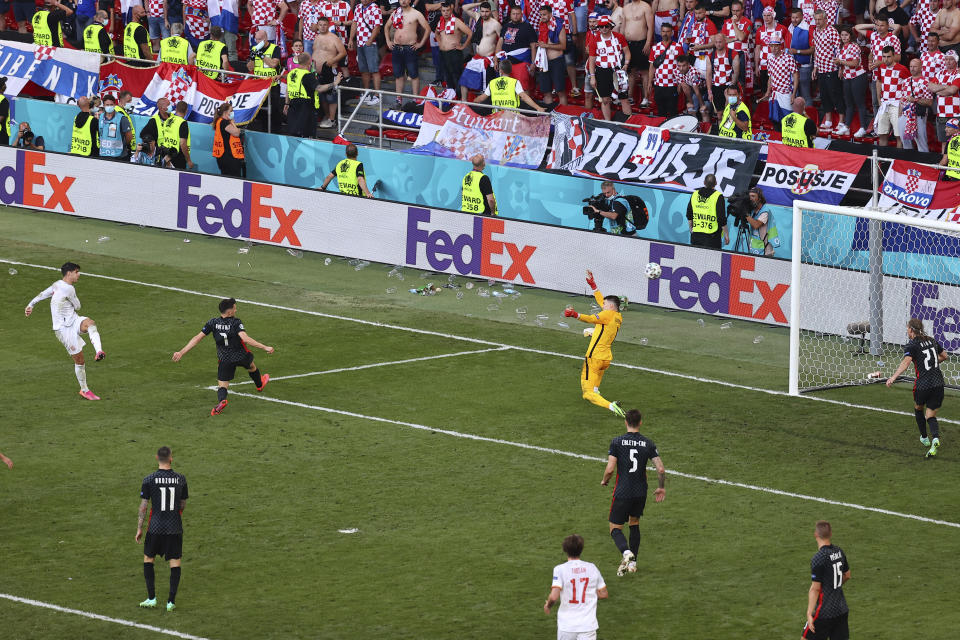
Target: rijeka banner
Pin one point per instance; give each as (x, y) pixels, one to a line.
(506, 137)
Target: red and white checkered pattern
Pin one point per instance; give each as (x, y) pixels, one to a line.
(42, 53)
(745, 25)
(763, 41)
(876, 48)
(894, 82)
(851, 52)
(693, 78)
(781, 69)
(932, 62)
(180, 83)
(337, 12)
(923, 18)
(948, 107)
(826, 47)
(807, 6)
(667, 74)
(560, 10)
(831, 8)
(722, 68)
(309, 13)
(262, 12)
(702, 32)
(913, 181)
(917, 87)
(608, 51)
(195, 18)
(155, 8)
(368, 18)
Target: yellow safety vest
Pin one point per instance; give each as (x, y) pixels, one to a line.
(210, 55)
(91, 39)
(347, 177)
(81, 142)
(704, 212)
(6, 125)
(953, 157)
(262, 70)
(472, 200)
(133, 129)
(171, 133)
(174, 49)
(728, 127)
(503, 92)
(130, 47)
(41, 30)
(791, 130)
(295, 88)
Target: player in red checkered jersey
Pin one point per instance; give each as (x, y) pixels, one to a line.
(665, 78)
(893, 88)
(723, 68)
(946, 87)
(826, 46)
(919, 103)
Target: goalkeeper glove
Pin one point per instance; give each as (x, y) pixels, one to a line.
(570, 313)
(592, 282)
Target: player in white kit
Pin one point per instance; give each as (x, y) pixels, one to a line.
(68, 325)
(578, 586)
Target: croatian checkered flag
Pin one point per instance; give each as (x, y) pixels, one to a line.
(569, 139)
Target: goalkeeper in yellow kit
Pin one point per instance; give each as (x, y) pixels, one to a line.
(606, 326)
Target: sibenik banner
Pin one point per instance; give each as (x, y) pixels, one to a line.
(548, 257)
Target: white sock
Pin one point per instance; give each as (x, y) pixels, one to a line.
(94, 337)
(81, 372)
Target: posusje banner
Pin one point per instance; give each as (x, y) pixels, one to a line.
(65, 72)
(740, 286)
(814, 175)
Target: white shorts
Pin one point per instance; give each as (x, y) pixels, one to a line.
(69, 336)
(889, 120)
(576, 635)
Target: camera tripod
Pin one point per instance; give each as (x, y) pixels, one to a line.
(742, 243)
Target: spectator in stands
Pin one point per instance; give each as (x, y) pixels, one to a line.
(295, 50)
(946, 85)
(330, 79)
(735, 121)
(707, 216)
(267, 16)
(637, 28)
(854, 80)
(784, 78)
(951, 155)
(158, 22)
(405, 43)
(919, 102)
(694, 88)
(95, 35)
(48, 22)
(115, 131)
(796, 129)
(702, 32)
(549, 47)
(879, 38)
(506, 91)
(85, 14)
(932, 58)
(84, 138)
(894, 78)
(608, 53)
(723, 70)
(517, 37)
(364, 31)
(228, 138)
(176, 49)
(146, 152)
(308, 14)
(214, 54)
(23, 11)
(800, 48)
(947, 25)
(26, 139)
(924, 15)
(738, 29)
(685, 35)
(764, 237)
(451, 31)
(761, 53)
(666, 77)
(890, 12)
(826, 45)
(136, 41)
(328, 53)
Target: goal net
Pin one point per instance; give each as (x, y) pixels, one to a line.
(858, 276)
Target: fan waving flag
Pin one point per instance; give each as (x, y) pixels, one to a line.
(814, 175)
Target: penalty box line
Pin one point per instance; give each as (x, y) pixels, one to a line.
(372, 365)
(97, 616)
(427, 332)
(580, 456)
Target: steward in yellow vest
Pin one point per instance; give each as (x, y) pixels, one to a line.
(266, 51)
(707, 215)
(793, 130)
(48, 25)
(123, 113)
(95, 37)
(211, 53)
(477, 191)
(85, 140)
(734, 112)
(4, 114)
(171, 134)
(303, 100)
(135, 36)
(349, 174)
(175, 49)
(951, 156)
(507, 92)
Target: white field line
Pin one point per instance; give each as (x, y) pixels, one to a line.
(570, 454)
(373, 366)
(490, 343)
(97, 616)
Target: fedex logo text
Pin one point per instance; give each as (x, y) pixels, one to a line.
(716, 292)
(442, 249)
(242, 218)
(945, 320)
(23, 184)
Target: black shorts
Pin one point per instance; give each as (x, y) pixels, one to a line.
(226, 370)
(638, 59)
(606, 82)
(624, 508)
(929, 398)
(23, 11)
(168, 546)
(828, 629)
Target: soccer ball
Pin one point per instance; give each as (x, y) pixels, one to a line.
(653, 270)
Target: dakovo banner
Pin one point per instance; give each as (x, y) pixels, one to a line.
(184, 82)
(813, 175)
(505, 138)
(65, 72)
(915, 190)
(600, 149)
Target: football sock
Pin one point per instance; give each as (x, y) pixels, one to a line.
(148, 576)
(81, 372)
(921, 423)
(255, 376)
(934, 427)
(619, 539)
(221, 394)
(174, 583)
(635, 538)
(94, 336)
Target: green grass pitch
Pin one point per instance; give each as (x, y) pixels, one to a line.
(457, 536)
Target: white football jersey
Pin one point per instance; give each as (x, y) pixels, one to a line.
(63, 303)
(578, 582)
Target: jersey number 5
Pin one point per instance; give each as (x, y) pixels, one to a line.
(633, 459)
(164, 505)
(583, 592)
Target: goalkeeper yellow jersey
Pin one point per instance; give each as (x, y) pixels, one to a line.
(606, 326)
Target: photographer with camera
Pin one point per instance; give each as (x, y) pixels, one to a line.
(146, 152)
(25, 138)
(764, 238)
(707, 215)
(626, 214)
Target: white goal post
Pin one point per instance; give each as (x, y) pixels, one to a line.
(857, 277)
